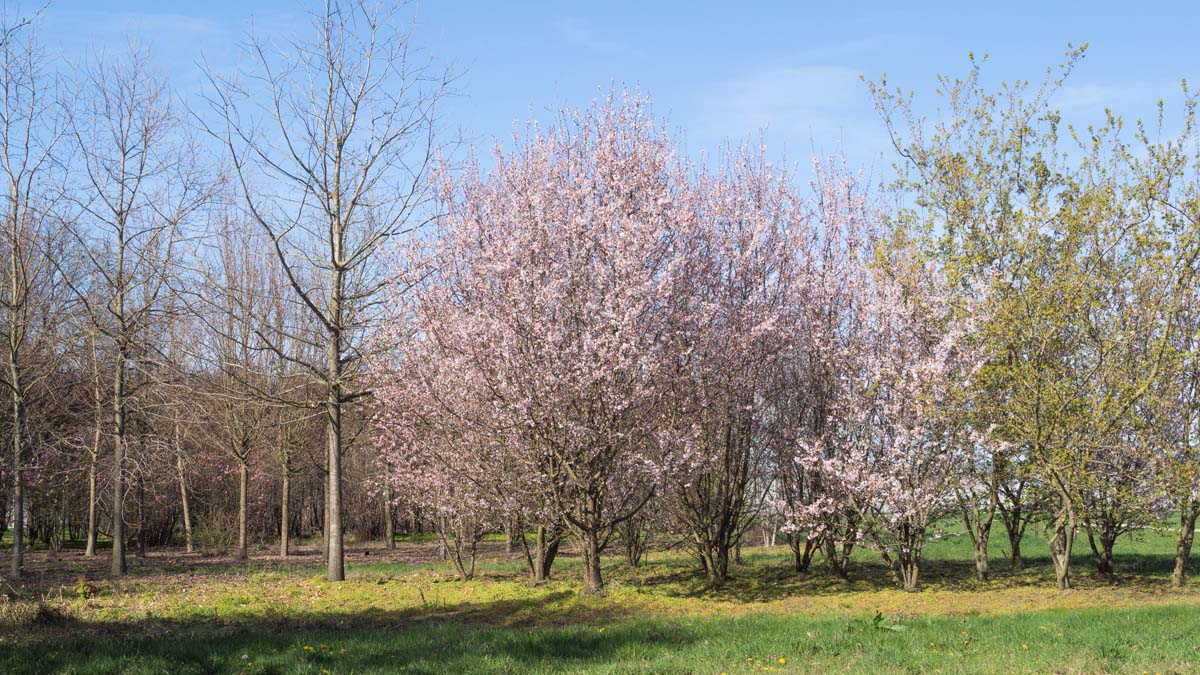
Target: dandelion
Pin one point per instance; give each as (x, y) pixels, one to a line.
(1025, 646)
(782, 661)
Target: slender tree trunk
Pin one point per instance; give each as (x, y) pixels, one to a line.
(18, 303)
(979, 527)
(325, 515)
(119, 448)
(183, 501)
(141, 528)
(90, 551)
(18, 547)
(243, 488)
(336, 570)
(389, 525)
(1183, 545)
(97, 438)
(284, 517)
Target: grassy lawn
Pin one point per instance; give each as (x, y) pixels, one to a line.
(179, 616)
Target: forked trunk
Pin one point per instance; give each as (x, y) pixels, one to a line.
(545, 549)
(1061, 540)
(802, 552)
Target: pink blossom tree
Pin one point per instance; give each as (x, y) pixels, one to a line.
(884, 451)
(825, 310)
(746, 265)
(558, 284)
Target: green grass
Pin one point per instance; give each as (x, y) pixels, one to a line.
(662, 618)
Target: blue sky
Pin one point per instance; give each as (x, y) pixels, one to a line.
(715, 70)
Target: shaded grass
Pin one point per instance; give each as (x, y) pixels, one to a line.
(173, 616)
(1085, 641)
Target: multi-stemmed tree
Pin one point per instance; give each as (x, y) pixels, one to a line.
(557, 287)
(745, 266)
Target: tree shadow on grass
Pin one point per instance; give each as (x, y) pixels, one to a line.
(509, 635)
(765, 581)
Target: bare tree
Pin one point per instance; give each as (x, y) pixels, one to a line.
(330, 140)
(141, 182)
(32, 122)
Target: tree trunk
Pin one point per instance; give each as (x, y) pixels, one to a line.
(243, 488)
(336, 569)
(541, 559)
(119, 447)
(1102, 554)
(802, 554)
(911, 573)
(183, 501)
(1015, 562)
(18, 547)
(325, 514)
(1061, 541)
(141, 528)
(593, 583)
(978, 524)
(1183, 545)
(1014, 524)
(981, 556)
(284, 540)
(97, 438)
(90, 551)
(389, 520)
(839, 560)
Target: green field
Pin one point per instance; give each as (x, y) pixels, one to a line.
(183, 614)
